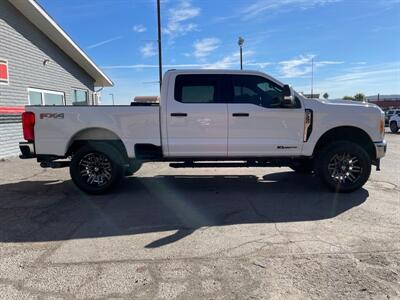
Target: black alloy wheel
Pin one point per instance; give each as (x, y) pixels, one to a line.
(343, 166)
(97, 168)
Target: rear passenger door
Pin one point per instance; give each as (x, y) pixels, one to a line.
(197, 117)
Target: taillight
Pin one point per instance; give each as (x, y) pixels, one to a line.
(28, 126)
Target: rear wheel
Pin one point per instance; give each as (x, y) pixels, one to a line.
(343, 166)
(97, 169)
(393, 127)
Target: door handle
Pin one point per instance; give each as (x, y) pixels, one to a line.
(178, 114)
(240, 115)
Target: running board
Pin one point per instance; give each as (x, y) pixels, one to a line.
(222, 165)
(54, 164)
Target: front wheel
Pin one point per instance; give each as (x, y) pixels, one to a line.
(393, 127)
(96, 168)
(343, 166)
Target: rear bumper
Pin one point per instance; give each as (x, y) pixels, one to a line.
(27, 150)
(380, 149)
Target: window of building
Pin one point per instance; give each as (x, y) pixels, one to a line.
(45, 97)
(197, 88)
(4, 72)
(35, 98)
(80, 97)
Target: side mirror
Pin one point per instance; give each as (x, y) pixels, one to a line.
(288, 98)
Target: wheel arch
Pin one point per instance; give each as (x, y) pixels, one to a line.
(347, 133)
(96, 135)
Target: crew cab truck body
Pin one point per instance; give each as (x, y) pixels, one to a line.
(210, 115)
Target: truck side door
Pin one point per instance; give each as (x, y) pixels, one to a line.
(259, 125)
(197, 117)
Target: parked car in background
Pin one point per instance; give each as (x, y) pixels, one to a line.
(389, 113)
(394, 123)
(210, 118)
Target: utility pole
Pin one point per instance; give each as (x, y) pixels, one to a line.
(312, 77)
(159, 42)
(240, 43)
(112, 97)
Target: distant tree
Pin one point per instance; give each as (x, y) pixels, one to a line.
(348, 98)
(326, 96)
(359, 97)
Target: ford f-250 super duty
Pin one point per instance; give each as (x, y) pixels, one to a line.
(208, 119)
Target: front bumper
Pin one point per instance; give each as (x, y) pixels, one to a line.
(380, 149)
(27, 150)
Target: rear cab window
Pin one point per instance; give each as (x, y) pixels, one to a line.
(198, 88)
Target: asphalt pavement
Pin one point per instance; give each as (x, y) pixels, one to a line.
(231, 233)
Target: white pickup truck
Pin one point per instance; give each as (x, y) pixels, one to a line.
(394, 123)
(210, 118)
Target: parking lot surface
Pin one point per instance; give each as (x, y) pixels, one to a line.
(249, 233)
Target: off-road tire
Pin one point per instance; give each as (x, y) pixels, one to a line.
(110, 157)
(393, 127)
(327, 156)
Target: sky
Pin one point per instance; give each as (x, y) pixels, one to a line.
(355, 44)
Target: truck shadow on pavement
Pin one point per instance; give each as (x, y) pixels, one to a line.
(39, 211)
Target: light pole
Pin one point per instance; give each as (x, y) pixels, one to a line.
(112, 97)
(312, 77)
(240, 43)
(159, 42)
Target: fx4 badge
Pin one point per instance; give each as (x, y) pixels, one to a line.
(51, 116)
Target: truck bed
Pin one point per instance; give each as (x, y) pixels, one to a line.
(57, 126)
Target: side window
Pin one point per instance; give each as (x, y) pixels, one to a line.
(45, 97)
(35, 98)
(80, 97)
(53, 99)
(257, 90)
(197, 89)
(243, 94)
